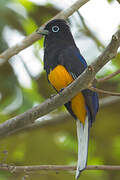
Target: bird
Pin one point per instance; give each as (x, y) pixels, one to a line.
(63, 63)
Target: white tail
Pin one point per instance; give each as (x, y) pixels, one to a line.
(83, 137)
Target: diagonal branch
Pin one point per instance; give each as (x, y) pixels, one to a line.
(82, 82)
(65, 116)
(29, 40)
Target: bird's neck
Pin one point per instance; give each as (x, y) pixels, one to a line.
(57, 44)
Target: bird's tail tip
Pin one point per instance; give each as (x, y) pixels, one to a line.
(83, 136)
(78, 172)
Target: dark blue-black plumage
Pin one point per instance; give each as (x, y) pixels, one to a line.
(60, 48)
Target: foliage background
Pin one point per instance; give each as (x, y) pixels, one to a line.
(23, 84)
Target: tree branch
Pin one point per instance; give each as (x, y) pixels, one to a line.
(82, 82)
(25, 169)
(65, 116)
(29, 40)
(109, 100)
(109, 76)
(104, 92)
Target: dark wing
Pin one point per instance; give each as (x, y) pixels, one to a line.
(73, 61)
(92, 103)
(75, 64)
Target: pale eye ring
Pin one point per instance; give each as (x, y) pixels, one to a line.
(55, 29)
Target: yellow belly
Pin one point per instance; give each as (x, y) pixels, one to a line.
(60, 78)
(78, 107)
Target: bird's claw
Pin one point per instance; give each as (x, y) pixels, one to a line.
(52, 95)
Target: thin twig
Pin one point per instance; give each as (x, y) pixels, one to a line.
(89, 33)
(104, 92)
(118, 1)
(29, 40)
(16, 169)
(109, 76)
(82, 82)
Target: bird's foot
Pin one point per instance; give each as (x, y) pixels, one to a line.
(61, 90)
(52, 95)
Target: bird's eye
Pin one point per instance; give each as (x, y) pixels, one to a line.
(55, 29)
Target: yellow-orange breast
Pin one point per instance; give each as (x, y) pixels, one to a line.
(60, 78)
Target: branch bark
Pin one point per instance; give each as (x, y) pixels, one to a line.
(82, 82)
(25, 169)
(29, 40)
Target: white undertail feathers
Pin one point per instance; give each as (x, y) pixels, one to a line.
(83, 138)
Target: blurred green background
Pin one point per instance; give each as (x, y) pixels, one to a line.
(23, 85)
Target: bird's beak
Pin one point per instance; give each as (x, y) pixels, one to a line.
(42, 31)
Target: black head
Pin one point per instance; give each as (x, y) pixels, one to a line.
(57, 26)
(58, 32)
